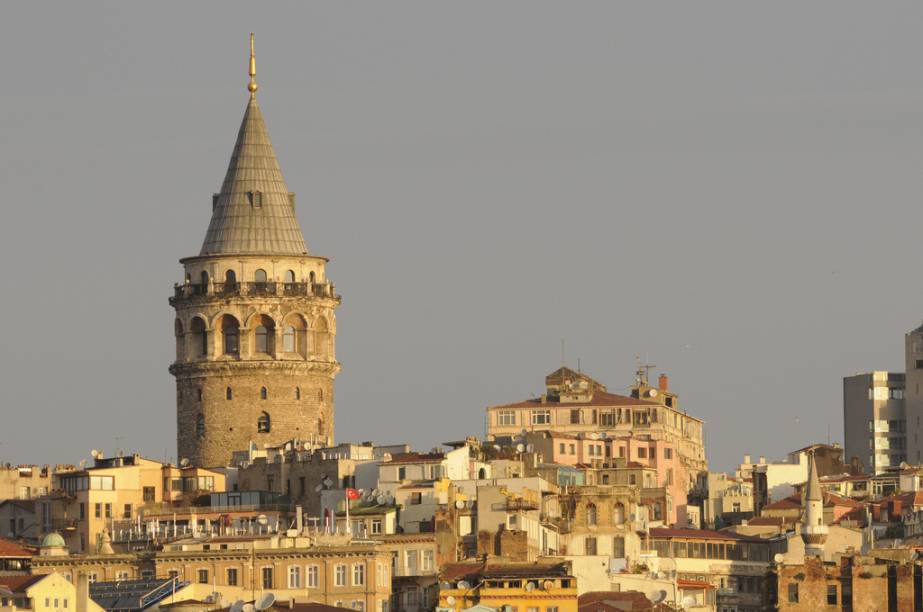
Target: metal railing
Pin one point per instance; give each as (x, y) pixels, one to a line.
(192, 290)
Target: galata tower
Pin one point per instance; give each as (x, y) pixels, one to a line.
(255, 324)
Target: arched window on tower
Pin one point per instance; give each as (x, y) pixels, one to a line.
(321, 339)
(263, 393)
(260, 276)
(591, 514)
(264, 336)
(312, 277)
(203, 278)
(229, 394)
(297, 393)
(180, 340)
(198, 343)
(290, 277)
(263, 424)
(200, 425)
(230, 281)
(230, 331)
(295, 336)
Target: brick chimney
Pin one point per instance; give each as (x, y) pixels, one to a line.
(663, 382)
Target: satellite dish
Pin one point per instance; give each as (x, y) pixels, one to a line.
(248, 607)
(459, 504)
(520, 448)
(463, 584)
(381, 500)
(657, 597)
(266, 601)
(237, 606)
(652, 392)
(603, 435)
(319, 488)
(328, 482)
(184, 462)
(375, 492)
(450, 600)
(95, 454)
(547, 585)
(594, 436)
(262, 519)
(688, 601)
(779, 558)
(530, 586)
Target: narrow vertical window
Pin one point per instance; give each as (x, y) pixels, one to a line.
(263, 424)
(229, 394)
(263, 393)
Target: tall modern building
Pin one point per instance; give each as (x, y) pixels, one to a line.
(255, 322)
(913, 394)
(874, 420)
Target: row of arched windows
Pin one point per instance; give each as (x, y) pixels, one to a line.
(618, 514)
(263, 424)
(297, 337)
(259, 277)
(264, 394)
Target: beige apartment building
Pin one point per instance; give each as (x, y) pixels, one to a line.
(328, 569)
(874, 420)
(113, 496)
(26, 481)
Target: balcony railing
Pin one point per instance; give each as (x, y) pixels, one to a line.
(195, 290)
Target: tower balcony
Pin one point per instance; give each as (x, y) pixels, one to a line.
(193, 291)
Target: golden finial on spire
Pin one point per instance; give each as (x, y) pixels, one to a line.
(252, 86)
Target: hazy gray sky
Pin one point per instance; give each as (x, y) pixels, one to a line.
(732, 189)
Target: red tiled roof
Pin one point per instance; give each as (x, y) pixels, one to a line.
(416, 457)
(19, 584)
(10, 549)
(617, 601)
(789, 503)
(599, 398)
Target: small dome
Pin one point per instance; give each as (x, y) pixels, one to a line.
(53, 540)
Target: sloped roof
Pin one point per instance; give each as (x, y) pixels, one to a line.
(239, 223)
(19, 583)
(10, 549)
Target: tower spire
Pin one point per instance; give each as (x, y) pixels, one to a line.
(252, 86)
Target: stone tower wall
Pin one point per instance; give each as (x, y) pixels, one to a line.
(299, 384)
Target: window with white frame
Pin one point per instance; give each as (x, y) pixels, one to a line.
(358, 574)
(294, 577)
(506, 417)
(376, 526)
(541, 417)
(312, 577)
(339, 575)
(428, 560)
(412, 562)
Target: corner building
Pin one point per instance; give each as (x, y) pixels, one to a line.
(255, 324)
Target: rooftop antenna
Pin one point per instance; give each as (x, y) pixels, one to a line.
(642, 375)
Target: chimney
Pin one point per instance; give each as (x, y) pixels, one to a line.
(83, 592)
(762, 460)
(663, 382)
(747, 459)
(299, 520)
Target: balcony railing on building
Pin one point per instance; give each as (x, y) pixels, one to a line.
(196, 290)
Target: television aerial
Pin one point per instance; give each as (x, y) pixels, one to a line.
(266, 601)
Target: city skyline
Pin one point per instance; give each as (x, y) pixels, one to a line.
(468, 234)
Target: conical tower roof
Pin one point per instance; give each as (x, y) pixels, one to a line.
(254, 213)
(812, 491)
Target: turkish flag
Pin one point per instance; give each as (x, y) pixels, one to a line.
(352, 494)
